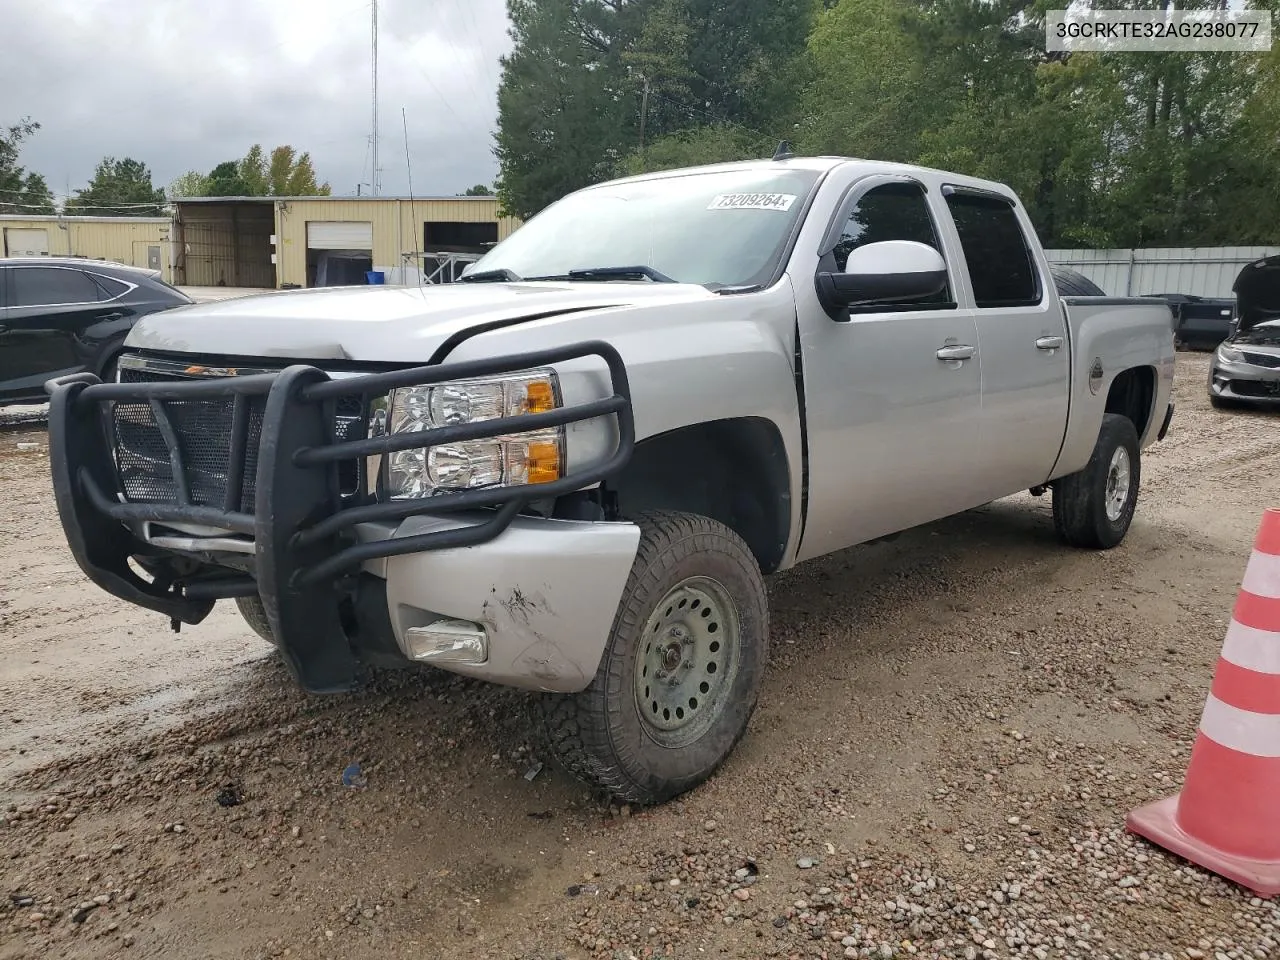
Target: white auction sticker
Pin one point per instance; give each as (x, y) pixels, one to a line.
(753, 201)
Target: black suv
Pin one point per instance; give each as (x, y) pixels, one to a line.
(61, 315)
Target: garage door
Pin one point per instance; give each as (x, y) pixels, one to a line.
(26, 242)
(339, 235)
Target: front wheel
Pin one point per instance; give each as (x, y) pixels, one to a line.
(1094, 507)
(255, 615)
(680, 675)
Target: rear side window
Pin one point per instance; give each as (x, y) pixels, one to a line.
(111, 287)
(1000, 265)
(51, 286)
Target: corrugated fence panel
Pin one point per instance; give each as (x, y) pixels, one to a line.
(208, 248)
(1201, 271)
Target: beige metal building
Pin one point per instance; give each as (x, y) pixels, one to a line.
(137, 241)
(288, 242)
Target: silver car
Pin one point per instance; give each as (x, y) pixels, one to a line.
(1245, 369)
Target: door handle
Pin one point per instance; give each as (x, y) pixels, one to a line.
(1049, 343)
(961, 351)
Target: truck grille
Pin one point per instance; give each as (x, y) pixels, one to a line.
(203, 430)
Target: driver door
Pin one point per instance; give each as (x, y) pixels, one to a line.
(892, 392)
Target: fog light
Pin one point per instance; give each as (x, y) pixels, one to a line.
(448, 641)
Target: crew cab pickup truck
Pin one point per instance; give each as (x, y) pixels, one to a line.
(571, 470)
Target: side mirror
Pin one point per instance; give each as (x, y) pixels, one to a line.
(891, 271)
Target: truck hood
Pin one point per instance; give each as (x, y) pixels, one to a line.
(1257, 290)
(379, 324)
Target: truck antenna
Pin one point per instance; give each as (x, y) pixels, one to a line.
(784, 151)
(413, 207)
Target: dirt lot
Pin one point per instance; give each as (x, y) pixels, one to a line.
(950, 734)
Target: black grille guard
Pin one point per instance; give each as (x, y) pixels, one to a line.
(302, 529)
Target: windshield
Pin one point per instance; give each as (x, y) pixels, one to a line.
(716, 229)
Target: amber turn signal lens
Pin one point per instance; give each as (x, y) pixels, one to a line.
(543, 461)
(539, 397)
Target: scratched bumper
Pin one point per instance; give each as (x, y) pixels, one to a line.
(546, 592)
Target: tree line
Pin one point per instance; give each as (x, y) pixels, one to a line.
(1105, 149)
(123, 186)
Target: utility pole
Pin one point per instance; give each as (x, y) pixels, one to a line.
(374, 184)
(644, 114)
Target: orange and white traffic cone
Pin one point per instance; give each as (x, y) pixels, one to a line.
(1227, 818)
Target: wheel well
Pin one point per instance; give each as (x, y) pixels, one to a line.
(1131, 395)
(734, 471)
(109, 354)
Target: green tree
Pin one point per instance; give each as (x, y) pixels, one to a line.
(253, 171)
(479, 190)
(689, 148)
(21, 191)
(865, 95)
(292, 175)
(588, 81)
(565, 104)
(226, 180)
(193, 183)
(119, 188)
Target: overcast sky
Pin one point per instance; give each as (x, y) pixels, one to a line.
(186, 84)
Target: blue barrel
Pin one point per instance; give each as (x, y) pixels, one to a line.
(375, 276)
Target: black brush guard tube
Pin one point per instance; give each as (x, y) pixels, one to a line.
(302, 529)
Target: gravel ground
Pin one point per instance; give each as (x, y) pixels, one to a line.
(950, 734)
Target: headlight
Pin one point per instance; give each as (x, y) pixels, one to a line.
(1230, 355)
(516, 458)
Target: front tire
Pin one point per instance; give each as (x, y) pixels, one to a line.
(680, 675)
(255, 615)
(1094, 507)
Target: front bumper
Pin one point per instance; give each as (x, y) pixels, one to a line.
(1244, 382)
(305, 544)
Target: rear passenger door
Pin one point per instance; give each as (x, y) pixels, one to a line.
(50, 307)
(1023, 338)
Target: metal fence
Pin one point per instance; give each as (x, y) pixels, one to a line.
(1202, 271)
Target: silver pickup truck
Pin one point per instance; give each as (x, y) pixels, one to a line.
(571, 471)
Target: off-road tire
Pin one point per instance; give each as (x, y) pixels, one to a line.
(599, 735)
(255, 615)
(1079, 499)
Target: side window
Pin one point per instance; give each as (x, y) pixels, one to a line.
(1000, 265)
(111, 287)
(894, 211)
(50, 286)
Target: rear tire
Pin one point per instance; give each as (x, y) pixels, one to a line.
(680, 674)
(1094, 507)
(255, 615)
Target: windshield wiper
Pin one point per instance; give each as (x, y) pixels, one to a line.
(490, 276)
(612, 273)
(619, 273)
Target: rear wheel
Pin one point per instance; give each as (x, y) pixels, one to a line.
(680, 675)
(1094, 507)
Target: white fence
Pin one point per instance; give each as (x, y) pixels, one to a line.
(1202, 271)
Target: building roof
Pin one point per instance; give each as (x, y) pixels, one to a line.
(362, 198)
(59, 218)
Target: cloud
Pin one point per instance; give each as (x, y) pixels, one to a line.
(185, 84)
